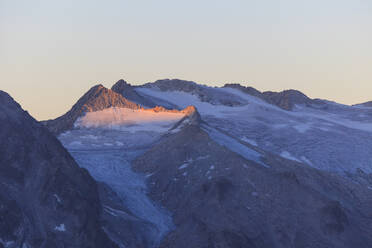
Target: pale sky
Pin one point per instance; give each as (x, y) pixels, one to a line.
(53, 51)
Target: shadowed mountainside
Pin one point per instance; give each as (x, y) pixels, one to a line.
(46, 200)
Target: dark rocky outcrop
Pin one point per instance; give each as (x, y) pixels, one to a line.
(287, 99)
(46, 200)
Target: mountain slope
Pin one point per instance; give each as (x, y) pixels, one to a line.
(250, 198)
(46, 200)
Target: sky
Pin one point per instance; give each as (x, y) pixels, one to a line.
(52, 51)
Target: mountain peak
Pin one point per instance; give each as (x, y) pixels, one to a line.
(6, 100)
(128, 91)
(246, 89)
(95, 99)
(174, 84)
(120, 86)
(287, 99)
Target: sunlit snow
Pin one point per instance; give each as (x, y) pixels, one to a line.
(126, 119)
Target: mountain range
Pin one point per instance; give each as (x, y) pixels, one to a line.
(174, 163)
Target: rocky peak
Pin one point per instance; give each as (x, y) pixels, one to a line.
(121, 86)
(287, 99)
(99, 98)
(128, 91)
(192, 118)
(8, 107)
(246, 89)
(96, 99)
(193, 114)
(174, 85)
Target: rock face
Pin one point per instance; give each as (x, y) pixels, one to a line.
(97, 98)
(221, 199)
(46, 200)
(287, 99)
(129, 92)
(249, 90)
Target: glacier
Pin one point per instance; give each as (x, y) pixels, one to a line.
(112, 165)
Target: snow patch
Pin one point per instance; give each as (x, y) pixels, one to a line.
(249, 141)
(287, 155)
(75, 144)
(302, 128)
(303, 158)
(183, 166)
(57, 198)
(60, 228)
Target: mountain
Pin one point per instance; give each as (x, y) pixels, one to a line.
(225, 166)
(97, 98)
(322, 134)
(104, 136)
(46, 199)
